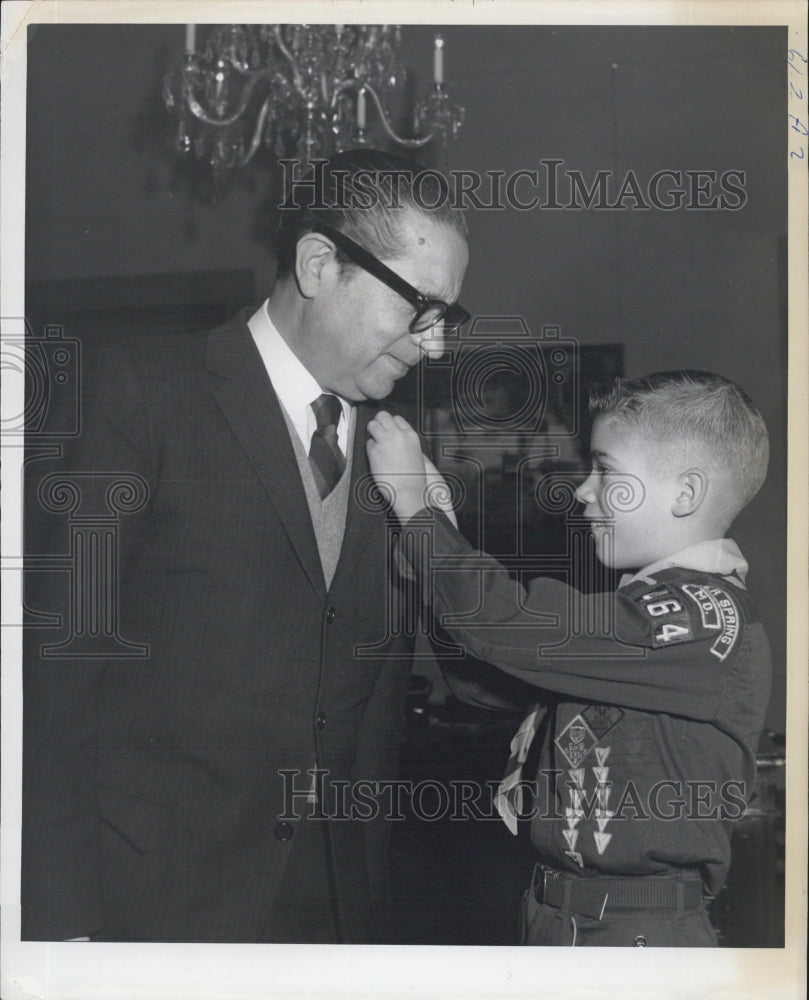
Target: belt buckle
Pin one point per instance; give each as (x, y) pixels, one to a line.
(539, 878)
(551, 874)
(547, 873)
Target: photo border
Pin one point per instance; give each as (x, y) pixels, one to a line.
(268, 971)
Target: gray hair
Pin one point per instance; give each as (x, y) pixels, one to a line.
(362, 193)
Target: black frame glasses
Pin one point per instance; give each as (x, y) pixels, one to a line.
(429, 312)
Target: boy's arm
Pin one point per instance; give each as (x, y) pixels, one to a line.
(410, 481)
(628, 647)
(602, 647)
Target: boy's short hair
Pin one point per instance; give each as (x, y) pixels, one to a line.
(695, 410)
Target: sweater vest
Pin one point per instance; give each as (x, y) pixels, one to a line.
(328, 515)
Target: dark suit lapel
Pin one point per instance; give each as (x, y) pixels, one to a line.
(245, 394)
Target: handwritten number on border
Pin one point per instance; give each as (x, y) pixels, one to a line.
(799, 121)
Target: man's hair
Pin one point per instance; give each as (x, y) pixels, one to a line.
(699, 412)
(363, 193)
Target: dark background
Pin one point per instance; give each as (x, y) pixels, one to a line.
(118, 238)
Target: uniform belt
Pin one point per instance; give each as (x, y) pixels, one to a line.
(592, 897)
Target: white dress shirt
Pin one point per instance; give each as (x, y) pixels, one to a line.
(293, 383)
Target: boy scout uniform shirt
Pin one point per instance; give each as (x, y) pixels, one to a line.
(654, 699)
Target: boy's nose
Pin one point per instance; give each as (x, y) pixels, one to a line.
(585, 492)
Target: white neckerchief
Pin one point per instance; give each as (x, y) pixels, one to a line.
(293, 383)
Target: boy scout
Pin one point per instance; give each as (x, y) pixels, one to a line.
(648, 721)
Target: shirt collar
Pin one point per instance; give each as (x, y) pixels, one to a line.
(293, 383)
(720, 556)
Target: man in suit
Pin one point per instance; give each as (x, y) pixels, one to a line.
(190, 726)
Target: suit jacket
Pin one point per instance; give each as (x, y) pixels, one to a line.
(154, 803)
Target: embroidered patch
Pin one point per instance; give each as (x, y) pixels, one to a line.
(718, 611)
(657, 594)
(571, 836)
(730, 622)
(601, 718)
(709, 613)
(573, 814)
(670, 633)
(669, 617)
(575, 741)
(602, 839)
(603, 816)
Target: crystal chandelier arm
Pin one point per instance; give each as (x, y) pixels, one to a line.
(199, 112)
(407, 143)
(315, 87)
(279, 41)
(255, 142)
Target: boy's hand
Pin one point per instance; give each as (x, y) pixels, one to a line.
(394, 454)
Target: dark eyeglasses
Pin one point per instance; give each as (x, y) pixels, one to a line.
(428, 311)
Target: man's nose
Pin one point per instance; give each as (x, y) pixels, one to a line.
(431, 341)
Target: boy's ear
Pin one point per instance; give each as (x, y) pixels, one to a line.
(313, 253)
(692, 488)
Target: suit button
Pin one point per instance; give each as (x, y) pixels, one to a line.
(320, 720)
(283, 831)
(331, 614)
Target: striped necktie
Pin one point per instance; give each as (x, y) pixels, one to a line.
(508, 798)
(325, 457)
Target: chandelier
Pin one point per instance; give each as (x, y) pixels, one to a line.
(299, 90)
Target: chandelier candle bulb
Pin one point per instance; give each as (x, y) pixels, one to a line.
(190, 37)
(438, 60)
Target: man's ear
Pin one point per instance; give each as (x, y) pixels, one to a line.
(692, 488)
(313, 253)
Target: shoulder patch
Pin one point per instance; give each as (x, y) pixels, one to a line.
(668, 614)
(686, 606)
(718, 612)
